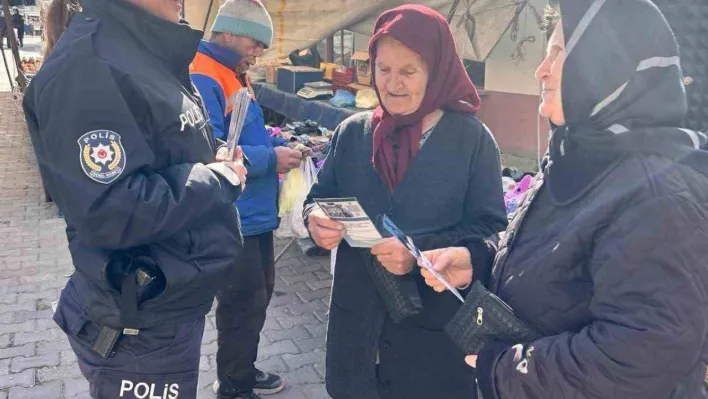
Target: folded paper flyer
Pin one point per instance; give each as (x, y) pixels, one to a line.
(360, 230)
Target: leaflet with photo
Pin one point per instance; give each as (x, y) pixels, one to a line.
(361, 231)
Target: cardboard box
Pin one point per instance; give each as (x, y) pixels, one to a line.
(328, 69)
(291, 79)
(355, 87)
(362, 67)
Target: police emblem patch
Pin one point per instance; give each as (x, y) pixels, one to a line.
(102, 155)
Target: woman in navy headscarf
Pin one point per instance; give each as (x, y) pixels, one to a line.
(608, 254)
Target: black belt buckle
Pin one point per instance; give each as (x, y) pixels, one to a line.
(106, 341)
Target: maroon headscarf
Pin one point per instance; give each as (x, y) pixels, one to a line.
(426, 32)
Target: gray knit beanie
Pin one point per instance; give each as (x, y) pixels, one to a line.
(245, 18)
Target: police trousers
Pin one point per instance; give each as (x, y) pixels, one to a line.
(241, 312)
(158, 363)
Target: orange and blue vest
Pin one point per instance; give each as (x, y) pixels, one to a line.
(212, 72)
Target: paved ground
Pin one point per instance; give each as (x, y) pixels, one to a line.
(35, 358)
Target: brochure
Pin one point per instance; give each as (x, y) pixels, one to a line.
(360, 230)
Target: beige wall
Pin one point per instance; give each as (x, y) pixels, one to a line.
(502, 73)
(514, 121)
(195, 13)
(361, 42)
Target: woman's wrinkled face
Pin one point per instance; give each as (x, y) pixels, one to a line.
(401, 77)
(550, 75)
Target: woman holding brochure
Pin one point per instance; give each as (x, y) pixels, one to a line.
(607, 256)
(428, 163)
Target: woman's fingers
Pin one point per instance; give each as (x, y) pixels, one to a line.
(387, 246)
(327, 223)
(396, 268)
(431, 281)
(325, 237)
(327, 234)
(471, 360)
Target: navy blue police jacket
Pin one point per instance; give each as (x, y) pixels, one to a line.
(128, 155)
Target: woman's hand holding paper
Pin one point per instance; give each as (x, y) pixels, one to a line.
(394, 257)
(326, 233)
(455, 264)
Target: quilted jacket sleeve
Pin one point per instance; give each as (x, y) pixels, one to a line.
(648, 307)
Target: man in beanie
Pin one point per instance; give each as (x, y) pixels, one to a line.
(241, 31)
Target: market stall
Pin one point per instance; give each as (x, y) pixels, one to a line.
(477, 27)
(298, 108)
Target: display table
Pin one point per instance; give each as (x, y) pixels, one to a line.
(294, 107)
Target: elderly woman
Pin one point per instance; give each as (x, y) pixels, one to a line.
(427, 162)
(608, 254)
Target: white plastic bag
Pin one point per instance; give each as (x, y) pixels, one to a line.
(294, 190)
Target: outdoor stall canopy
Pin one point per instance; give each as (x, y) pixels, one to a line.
(477, 24)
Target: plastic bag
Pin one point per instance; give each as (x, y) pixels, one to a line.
(289, 191)
(367, 99)
(296, 185)
(343, 99)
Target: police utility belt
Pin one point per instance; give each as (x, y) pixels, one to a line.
(136, 282)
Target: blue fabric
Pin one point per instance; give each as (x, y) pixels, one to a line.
(220, 54)
(486, 362)
(258, 204)
(215, 103)
(292, 106)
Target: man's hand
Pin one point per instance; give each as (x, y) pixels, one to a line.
(326, 233)
(287, 159)
(394, 257)
(454, 263)
(305, 150)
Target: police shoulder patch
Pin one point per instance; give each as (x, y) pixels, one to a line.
(102, 156)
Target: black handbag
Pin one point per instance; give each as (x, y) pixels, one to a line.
(399, 293)
(485, 318)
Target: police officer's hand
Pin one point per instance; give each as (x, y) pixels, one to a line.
(326, 233)
(394, 257)
(236, 165)
(222, 153)
(287, 159)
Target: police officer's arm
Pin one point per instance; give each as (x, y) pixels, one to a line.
(141, 205)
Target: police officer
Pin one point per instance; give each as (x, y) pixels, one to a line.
(126, 151)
